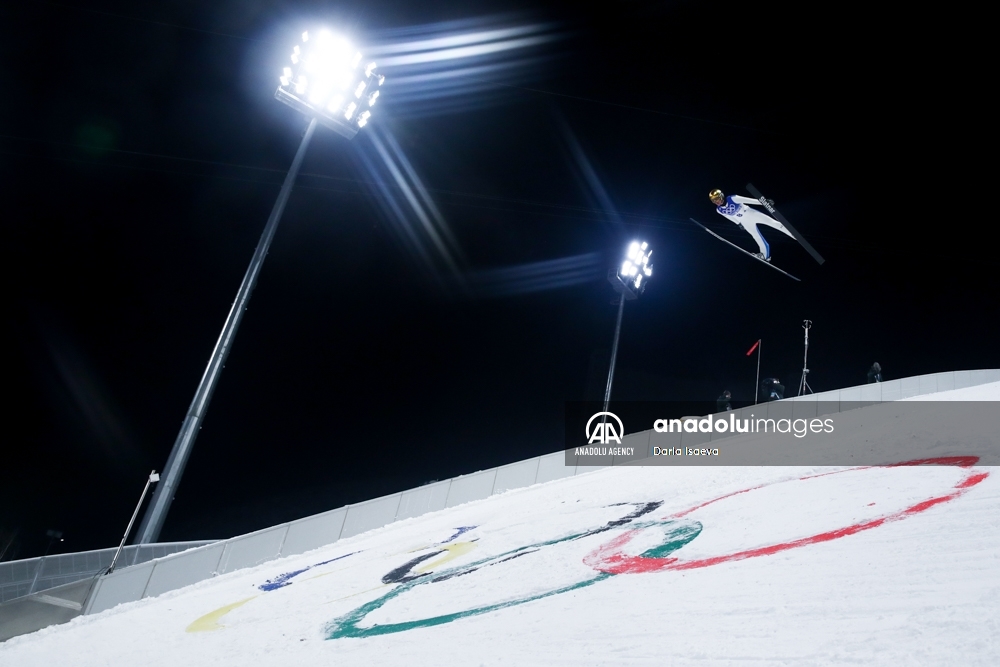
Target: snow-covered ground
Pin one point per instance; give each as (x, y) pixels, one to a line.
(648, 565)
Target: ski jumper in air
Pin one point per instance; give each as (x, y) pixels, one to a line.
(737, 209)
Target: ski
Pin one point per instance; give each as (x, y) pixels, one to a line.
(780, 218)
(749, 254)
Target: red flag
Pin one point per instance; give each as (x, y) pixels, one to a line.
(750, 351)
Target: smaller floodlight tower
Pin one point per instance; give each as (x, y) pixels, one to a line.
(327, 83)
(629, 280)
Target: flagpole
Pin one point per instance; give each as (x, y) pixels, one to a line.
(757, 383)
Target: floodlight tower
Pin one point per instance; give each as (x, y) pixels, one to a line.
(327, 82)
(629, 280)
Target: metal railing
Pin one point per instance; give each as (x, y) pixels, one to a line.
(20, 578)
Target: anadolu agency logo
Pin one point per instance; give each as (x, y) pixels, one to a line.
(604, 431)
(600, 430)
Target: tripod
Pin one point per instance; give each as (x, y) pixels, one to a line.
(803, 384)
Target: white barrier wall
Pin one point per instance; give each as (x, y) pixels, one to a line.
(33, 575)
(423, 499)
(893, 390)
(188, 567)
(313, 532)
(253, 549)
(371, 514)
(516, 475)
(126, 585)
(467, 488)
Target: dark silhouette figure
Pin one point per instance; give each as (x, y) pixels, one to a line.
(773, 389)
(874, 373)
(724, 402)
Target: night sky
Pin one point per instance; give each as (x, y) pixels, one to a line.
(141, 150)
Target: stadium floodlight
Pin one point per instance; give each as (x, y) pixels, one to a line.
(629, 280)
(632, 276)
(327, 82)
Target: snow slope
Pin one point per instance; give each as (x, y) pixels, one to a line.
(891, 565)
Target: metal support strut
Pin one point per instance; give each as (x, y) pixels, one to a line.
(614, 353)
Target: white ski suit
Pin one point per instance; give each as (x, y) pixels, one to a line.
(736, 209)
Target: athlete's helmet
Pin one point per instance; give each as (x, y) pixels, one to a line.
(717, 197)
